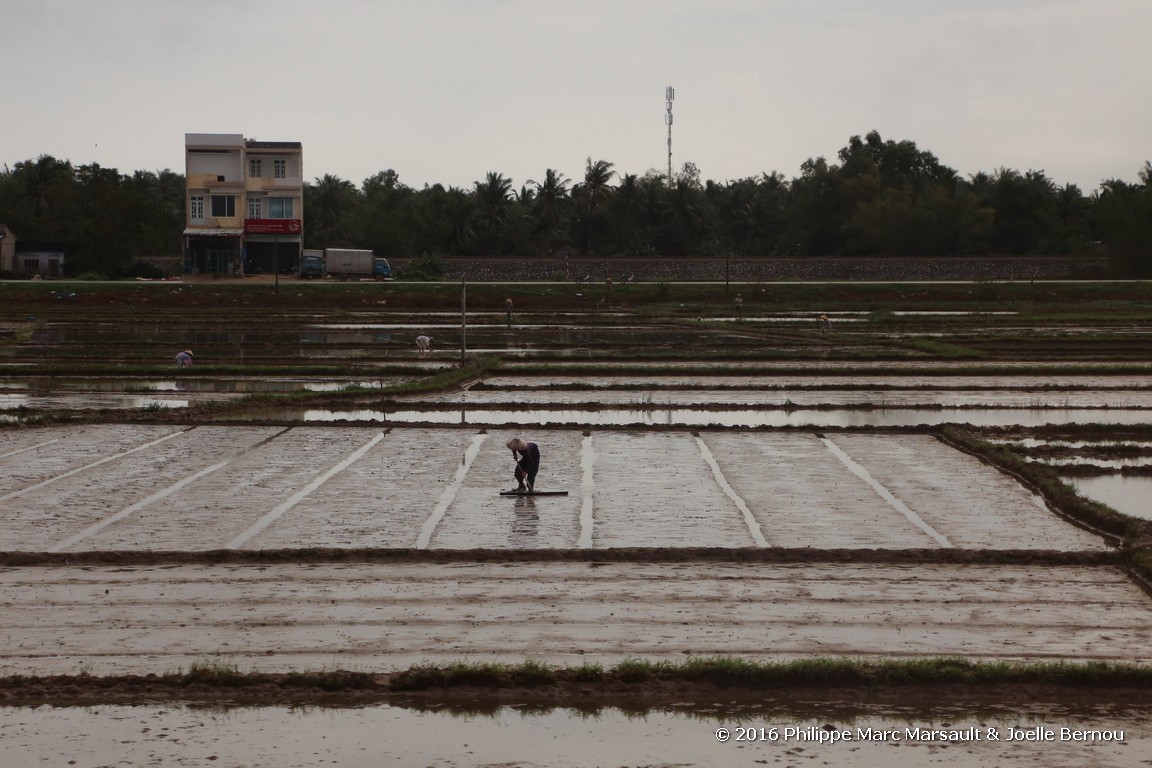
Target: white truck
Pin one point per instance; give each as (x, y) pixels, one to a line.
(355, 264)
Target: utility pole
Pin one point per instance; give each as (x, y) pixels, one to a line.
(669, 95)
(463, 322)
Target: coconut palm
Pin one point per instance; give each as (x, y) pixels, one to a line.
(493, 211)
(446, 219)
(594, 192)
(330, 203)
(631, 215)
(42, 181)
(549, 205)
(684, 211)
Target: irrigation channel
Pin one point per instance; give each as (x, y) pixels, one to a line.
(944, 478)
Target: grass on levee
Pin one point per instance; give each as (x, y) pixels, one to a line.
(735, 672)
(720, 671)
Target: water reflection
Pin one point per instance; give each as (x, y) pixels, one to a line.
(526, 526)
(1124, 493)
(227, 343)
(690, 417)
(95, 400)
(72, 392)
(1091, 461)
(40, 386)
(689, 736)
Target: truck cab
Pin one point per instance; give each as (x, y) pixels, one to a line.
(381, 269)
(311, 264)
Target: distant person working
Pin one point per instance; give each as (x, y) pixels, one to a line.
(184, 359)
(527, 458)
(424, 344)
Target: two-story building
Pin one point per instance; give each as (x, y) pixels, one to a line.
(245, 204)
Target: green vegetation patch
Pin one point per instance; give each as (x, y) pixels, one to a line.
(765, 675)
(628, 678)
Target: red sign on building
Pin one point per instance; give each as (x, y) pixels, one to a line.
(272, 226)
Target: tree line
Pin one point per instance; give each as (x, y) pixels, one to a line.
(877, 198)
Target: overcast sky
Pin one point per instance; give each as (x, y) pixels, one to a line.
(447, 90)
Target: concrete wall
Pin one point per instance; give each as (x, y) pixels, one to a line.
(777, 269)
(7, 250)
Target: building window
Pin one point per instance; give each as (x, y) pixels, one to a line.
(196, 209)
(279, 207)
(280, 169)
(255, 168)
(224, 206)
(255, 207)
(32, 265)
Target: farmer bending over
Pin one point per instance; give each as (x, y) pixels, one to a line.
(527, 458)
(184, 359)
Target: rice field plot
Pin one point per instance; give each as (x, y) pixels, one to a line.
(208, 487)
(278, 617)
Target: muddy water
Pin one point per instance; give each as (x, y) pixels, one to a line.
(227, 343)
(967, 367)
(369, 737)
(125, 487)
(12, 401)
(1129, 495)
(1024, 392)
(373, 617)
(695, 417)
(884, 398)
(126, 394)
(830, 380)
(58, 384)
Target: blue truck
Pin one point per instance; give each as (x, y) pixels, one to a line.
(311, 264)
(344, 264)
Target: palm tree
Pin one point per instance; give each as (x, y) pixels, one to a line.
(630, 214)
(41, 181)
(594, 193)
(550, 206)
(493, 211)
(330, 202)
(684, 212)
(446, 218)
(1123, 219)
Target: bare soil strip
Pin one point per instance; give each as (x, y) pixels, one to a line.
(392, 555)
(283, 617)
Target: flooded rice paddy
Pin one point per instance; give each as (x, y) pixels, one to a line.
(139, 487)
(693, 417)
(881, 736)
(117, 393)
(519, 578)
(1126, 494)
(147, 489)
(687, 401)
(279, 617)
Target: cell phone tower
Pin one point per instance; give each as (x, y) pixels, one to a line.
(669, 95)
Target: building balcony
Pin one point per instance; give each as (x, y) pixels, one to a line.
(269, 184)
(211, 181)
(215, 224)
